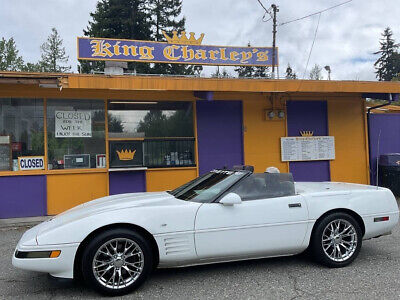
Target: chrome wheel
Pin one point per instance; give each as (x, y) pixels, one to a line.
(118, 263)
(339, 240)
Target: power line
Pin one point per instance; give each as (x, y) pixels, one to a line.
(312, 45)
(267, 11)
(316, 13)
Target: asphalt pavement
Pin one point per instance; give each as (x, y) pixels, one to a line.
(374, 275)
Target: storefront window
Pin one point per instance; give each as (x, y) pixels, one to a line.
(76, 134)
(21, 132)
(165, 129)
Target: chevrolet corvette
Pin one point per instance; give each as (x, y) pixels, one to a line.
(114, 243)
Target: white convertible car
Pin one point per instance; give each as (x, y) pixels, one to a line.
(114, 243)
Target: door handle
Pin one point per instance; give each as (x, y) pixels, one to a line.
(293, 205)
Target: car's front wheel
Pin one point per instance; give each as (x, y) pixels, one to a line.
(336, 240)
(117, 261)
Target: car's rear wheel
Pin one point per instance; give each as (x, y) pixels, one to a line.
(117, 261)
(336, 240)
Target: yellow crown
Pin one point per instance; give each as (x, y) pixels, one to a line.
(183, 38)
(307, 133)
(126, 155)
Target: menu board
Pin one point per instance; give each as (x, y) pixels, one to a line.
(307, 148)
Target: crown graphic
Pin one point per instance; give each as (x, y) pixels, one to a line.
(307, 133)
(183, 38)
(125, 154)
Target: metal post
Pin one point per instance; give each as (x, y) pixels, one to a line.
(275, 10)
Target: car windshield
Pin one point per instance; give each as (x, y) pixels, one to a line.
(206, 188)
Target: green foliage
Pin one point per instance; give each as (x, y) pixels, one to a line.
(164, 16)
(388, 64)
(9, 58)
(157, 124)
(251, 71)
(138, 20)
(221, 74)
(114, 124)
(290, 74)
(53, 54)
(316, 73)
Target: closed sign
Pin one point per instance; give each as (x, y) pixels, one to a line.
(31, 163)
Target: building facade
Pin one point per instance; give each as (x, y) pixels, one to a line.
(66, 139)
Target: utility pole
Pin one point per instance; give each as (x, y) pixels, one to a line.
(275, 9)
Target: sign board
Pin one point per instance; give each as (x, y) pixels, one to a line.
(181, 50)
(30, 163)
(73, 124)
(5, 153)
(307, 148)
(126, 154)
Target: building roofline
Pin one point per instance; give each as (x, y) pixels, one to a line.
(182, 83)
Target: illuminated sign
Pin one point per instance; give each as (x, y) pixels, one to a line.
(180, 50)
(31, 163)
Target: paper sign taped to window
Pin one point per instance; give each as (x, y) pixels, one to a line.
(73, 124)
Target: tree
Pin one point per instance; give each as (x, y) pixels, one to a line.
(54, 58)
(165, 17)
(9, 58)
(251, 71)
(387, 65)
(290, 74)
(137, 20)
(316, 73)
(124, 19)
(223, 74)
(32, 67)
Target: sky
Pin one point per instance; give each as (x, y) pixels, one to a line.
(346, 38)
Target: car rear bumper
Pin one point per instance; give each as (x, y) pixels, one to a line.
(61, 266)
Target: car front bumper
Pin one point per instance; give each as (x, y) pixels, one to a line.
(61, 266)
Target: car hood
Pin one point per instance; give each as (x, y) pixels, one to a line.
(105, 205)
(117, 202)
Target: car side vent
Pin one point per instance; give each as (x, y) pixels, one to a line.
(176, 245)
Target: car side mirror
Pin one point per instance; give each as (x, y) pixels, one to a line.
(230, 199)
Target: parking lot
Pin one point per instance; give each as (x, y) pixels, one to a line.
(374, 275)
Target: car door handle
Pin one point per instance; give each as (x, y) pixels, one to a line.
(293, 205)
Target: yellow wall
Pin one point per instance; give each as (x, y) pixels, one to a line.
(262, 137)
(346, 121)
(167, 179)
(66, 191)
(347, 125)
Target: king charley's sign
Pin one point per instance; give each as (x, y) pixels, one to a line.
(176, 50)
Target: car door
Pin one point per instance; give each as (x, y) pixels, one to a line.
(253, 228)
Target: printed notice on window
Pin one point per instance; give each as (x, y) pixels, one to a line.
(73, 124)
(307, 148)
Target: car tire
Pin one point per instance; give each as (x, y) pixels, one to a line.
(117, 261)
(336, 240)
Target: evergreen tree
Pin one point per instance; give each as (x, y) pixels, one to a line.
(124, 19)
(54, 58)
(316, 73)
(137, 20)
(251, 71)
(165, 17)
(387, 66)
(9, 58)
(290, 74)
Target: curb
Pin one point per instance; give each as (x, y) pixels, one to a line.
(21, 222)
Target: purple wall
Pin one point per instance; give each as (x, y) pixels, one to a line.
(389, 127)
(127, 182)
(23, 196)
(219, 132)
(311, 116)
